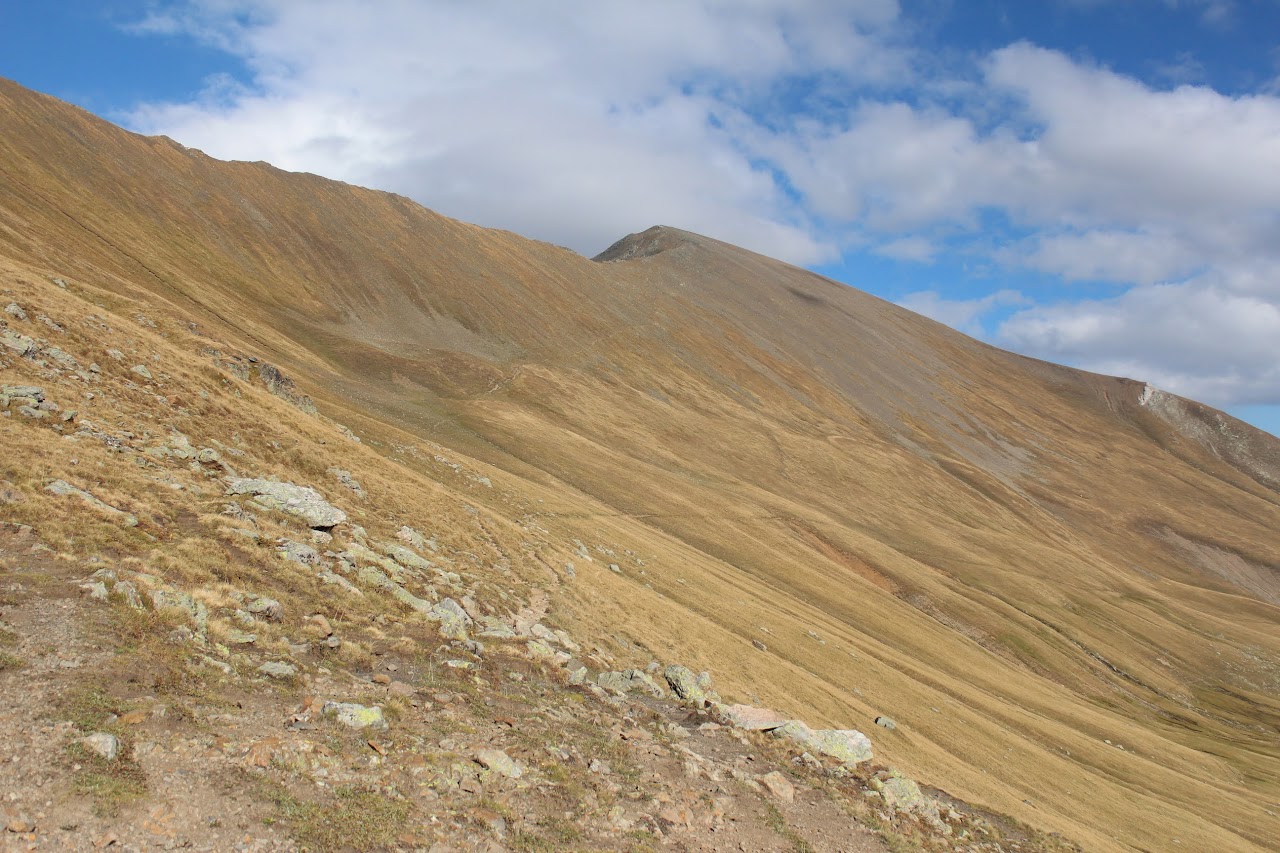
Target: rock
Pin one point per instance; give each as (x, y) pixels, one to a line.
(241, 638)
(345, 478)
(65, 489)
(685, 685)
(266, 608)
(162, 599)
(321, 624)
(297, 552)
(129, 592)
(412, 537)
(749, 718)
(278, 669)
(886, 722)
(102, 744)
(759, 645)
(454, 621)
(778, 785)
(902, 793)
(208, 456)
(304, 502)
(96, 590)
(32, 412)
(31, 392)
(116, 354)
(845, 745)
(355, 716)
(615, 568)
(141, 370)
(21, 344)
(13, 309)
(630, 680)
(499, 762)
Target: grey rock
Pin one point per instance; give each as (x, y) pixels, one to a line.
(886, 722)
(499, 762)
(21, 344)
(33, 413)
(266, 608)
(162, 599)
(129, 592)
(686, 685)
(278, 669)
(345, 478)
(845, 745)
(13, 309)
(412, 537)
(64, 489)
(297, 552)
(356, 716)
(141, 370)
(34, 392)
(241, 638)
(630, 680)
(301, 501)
(102, 744)
(749, 718)
(454, 621)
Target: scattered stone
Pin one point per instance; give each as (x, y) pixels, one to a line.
(615, 568)
(141, 370)
(321, 624)
(845, 745)
(345, 478)
(778, 785)
(13, 309)
(279, 669)
(65, 489)
(886, 722)
(356, 716)
(21, 344)
(102, 744)
(454, 620)
(297, 552)
(759, 645)
(96, 590)
(499, 762)
(241, 638)
(162, 599)
(412, 537)
(304, 502)
(266, 608)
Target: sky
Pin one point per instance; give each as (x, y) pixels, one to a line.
(1093, 182)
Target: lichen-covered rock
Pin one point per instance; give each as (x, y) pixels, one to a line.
(356, 716)
(64, 489)
(102, 744)
(686, 685)
(630, 680)
(748, 718)
(454, 621)
(162, 599)
(298, 552)
(499, 762)
(301, 501)
(845, 745)
(902, 793)
(278, 669)
(266, 608)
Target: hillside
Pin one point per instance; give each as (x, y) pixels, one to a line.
(1064, 588)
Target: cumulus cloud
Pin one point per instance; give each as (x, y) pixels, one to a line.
(576, 123)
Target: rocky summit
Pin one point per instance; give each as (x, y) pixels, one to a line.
(329, 523)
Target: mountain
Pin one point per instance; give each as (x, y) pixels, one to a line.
(1063, 587)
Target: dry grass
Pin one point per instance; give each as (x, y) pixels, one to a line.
(774, 481)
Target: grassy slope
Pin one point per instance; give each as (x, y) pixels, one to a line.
(963, 529)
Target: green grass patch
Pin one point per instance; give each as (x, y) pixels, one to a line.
(111, 784)
(8, 661)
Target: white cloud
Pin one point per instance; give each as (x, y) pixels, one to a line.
(575, 123)
(918, 249)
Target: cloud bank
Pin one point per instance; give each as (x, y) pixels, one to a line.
(811, 131)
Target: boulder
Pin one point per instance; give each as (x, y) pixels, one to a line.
(102, 744)
(301, 501)
(886, 722)
(845, 745)
(749, 718)
(686, 685)
(499, 762)
(277, 669)
(355, 716)
(629, 681)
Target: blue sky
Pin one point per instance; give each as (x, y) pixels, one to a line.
(1095, 182)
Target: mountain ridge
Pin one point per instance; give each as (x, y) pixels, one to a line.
(848, 469)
